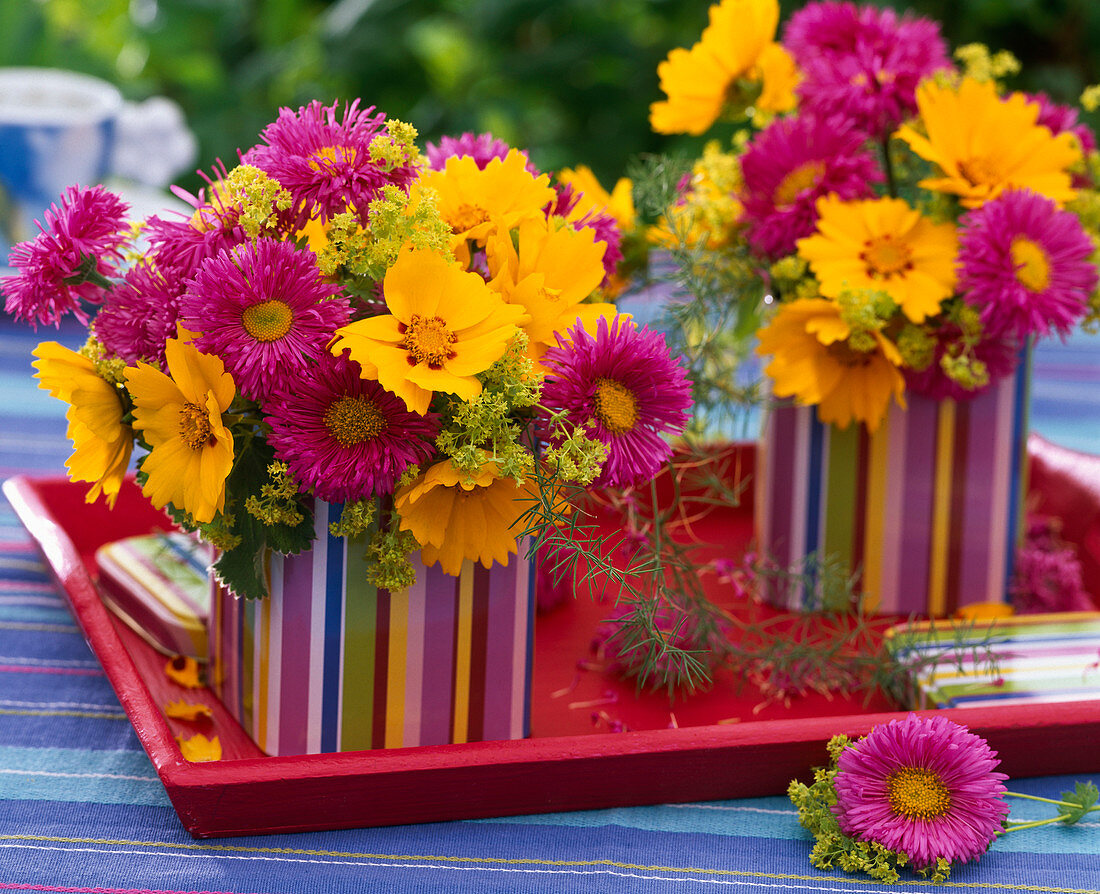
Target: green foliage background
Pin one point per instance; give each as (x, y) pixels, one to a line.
(570, 79)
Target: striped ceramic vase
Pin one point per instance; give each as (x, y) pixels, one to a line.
(331, 663)
(926, 512)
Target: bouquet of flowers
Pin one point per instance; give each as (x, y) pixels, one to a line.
(897, 221)
(425, 339)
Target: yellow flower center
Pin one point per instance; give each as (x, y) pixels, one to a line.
(1031, 263)
(268, 320)
(195, 429)
(980, 171)
(917, 793)
(327, 156)
(466, 217)
(805, 176)
(353, 420)
(428, 340)
(886, 256)
(616, 406)
(843, 353)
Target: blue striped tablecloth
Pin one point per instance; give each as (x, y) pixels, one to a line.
(81, 809)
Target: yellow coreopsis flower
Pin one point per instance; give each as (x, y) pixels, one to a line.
(444, 327)
(619, 203)
(886, 245)
(457, 517)
(984, 144)
(102, 444)
(813, 362)
(548, 271)
(737, 45)
(476, 202)
(180, 416)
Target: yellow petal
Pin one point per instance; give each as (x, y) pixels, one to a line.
(184, 670)
(200, 749)
(181, 710)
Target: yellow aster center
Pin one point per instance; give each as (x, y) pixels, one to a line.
(886, 256)
(195, 429)
(616, 406)
(805, 176)
(268, 320)
(1031, 263)
(980, 171)
(918, 793)
(466, 217)
(353, 420)
(327, 156)
(428, 340)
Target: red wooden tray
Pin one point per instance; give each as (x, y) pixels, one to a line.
(693, 751)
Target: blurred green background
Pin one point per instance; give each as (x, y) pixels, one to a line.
(569, 79)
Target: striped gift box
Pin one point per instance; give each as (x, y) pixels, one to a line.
(927, 510)
(1028, 659)
(331, 663)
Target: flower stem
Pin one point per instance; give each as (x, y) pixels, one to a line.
(888, 166)
(1037, 798)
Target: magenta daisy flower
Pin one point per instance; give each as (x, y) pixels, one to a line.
(792, 163)
(264, 309)
(922, 786)
(863, 63)
(324, 160)
(343, 436)
(140, 315)
(482, 148)
(625, 389)
(70, 260)
(1025, 264)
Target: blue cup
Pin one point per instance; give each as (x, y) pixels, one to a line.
(57, 128)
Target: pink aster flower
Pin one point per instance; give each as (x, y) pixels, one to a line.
(623, 386)
(140, 315)
(863, 63)
(264, 309)
(922, 786)
(343, 436)
(1025, 264)
(1060, 118)
(1047, 574)
(789, 166)
(324, 160)
(482, 148)
(70, 261)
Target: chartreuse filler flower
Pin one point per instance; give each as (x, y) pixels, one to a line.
(340, 320)
(921, 792)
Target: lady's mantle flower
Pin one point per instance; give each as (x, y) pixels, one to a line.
(922, 786)
(101, 441)
(1026, 266)
(70, 260)
(622, 386)
(444, 327)
(180, 415)
(984, 145)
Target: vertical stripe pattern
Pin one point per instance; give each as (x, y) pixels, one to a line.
(926, 509)
(331, 663)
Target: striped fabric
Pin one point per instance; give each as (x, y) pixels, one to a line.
(82, 811)
(446, 661)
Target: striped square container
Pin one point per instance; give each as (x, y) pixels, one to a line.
(926, 511)
(330, 663)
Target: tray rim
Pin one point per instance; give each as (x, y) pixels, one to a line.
(481, 779)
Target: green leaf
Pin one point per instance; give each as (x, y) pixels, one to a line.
(241, 570)
(1083, 799)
